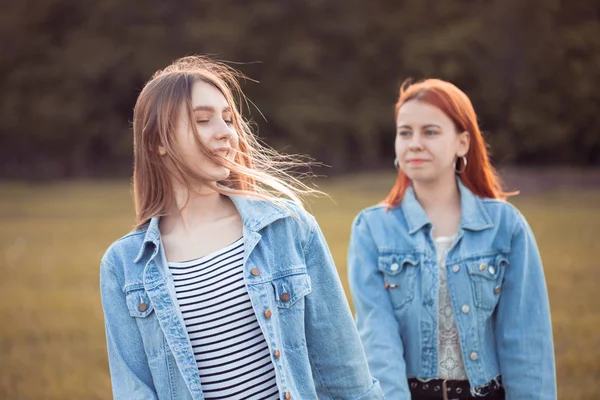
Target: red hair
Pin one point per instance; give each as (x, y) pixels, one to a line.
(479, 176)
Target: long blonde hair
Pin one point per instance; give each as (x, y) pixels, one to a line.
(257, 171)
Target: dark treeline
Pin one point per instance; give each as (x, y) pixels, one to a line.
(329, 72)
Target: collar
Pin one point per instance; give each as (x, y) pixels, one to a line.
(255, 213)
(474, 216)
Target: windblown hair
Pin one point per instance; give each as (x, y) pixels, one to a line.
(257, 170)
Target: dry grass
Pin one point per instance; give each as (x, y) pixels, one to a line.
(52, 237)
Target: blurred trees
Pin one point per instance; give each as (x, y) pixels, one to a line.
(329, 72)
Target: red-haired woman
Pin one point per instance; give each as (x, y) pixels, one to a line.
(446, 277)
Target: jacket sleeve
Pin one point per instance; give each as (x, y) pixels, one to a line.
(377, 325)
(339, 366)
(523, 328)
(129, 370)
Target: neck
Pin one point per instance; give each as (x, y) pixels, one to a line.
(193, 208)
(442, 193)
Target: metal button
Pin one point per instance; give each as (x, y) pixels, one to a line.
(482, 267)
(267, 313)
(288, 395)
(143, 307)
(394, 267)
(455, 268)
(474, 356)
(285, 297)
(458, 390)
(277, 354)
(492, 270)
(497, 290)
(425, 386)
(255, 271)
(413, 385)
(465, 308)
(436, 388)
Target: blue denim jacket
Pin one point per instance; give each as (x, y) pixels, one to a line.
(150, 355)
(493, 267)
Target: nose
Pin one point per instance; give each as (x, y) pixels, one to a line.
(225, 131)
(415, 142)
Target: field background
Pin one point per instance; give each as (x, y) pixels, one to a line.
(52, 237)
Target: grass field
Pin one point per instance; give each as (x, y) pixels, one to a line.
(52, 237)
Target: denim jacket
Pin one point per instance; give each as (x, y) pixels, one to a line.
(497, 289)
(320, 354)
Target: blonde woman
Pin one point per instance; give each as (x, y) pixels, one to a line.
(223, 290)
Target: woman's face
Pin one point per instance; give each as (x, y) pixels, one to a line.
(213, 118)
(427, 144)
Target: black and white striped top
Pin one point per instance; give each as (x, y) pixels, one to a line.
(233, 358)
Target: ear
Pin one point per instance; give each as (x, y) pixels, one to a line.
(464, 142)
(161, 150)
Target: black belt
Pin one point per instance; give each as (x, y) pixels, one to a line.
(453, 389)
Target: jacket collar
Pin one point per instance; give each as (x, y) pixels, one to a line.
(474, 217)
(255, 214)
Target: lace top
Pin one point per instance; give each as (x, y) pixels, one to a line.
(450, 362)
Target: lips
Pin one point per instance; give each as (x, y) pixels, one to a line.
(223, 152)
(417, 161)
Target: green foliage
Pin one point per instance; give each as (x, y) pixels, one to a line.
(70, 71)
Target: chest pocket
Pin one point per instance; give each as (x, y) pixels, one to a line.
(486, 280)
(141, 309)
(138, 301)
(289, 290)
(399, 275)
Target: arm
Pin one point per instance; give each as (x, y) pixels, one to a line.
(375, 318)
(523, 327)
(129, 371)
(338, 362)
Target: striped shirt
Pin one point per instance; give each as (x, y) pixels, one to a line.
(231, 352)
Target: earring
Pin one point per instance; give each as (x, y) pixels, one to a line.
(460, 171)
(396, 163)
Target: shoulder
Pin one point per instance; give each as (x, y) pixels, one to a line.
(300, 218)
(295, 209)
(377, 210)
(280, 220)
(374, 215)
(286, 210)
(123, 250)
(504, 214)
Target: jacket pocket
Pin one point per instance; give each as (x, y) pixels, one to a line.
(399, 275)
(486, 276)
(141, 309)
(290, 289)
(290, 295)
(138, 301)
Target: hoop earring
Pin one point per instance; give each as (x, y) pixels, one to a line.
(464, 159)
(396, 163)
